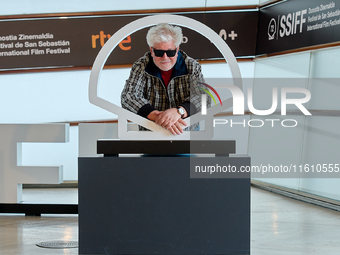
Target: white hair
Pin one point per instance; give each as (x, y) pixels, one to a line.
(164, 32)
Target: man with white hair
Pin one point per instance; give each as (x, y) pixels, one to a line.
(163, 85)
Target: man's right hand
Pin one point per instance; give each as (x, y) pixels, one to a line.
(153, 115)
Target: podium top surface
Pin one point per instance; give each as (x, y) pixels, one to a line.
(115, 147)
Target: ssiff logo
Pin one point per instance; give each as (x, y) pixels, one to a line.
(287, 25)
(272, 29)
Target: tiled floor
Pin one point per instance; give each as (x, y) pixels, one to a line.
(280, 226)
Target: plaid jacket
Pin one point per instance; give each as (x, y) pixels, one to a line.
(145, 91)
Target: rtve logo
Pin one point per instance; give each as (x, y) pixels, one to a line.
(101, 38)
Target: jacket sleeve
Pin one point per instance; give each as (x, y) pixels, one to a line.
(193, 103)
(132, 97)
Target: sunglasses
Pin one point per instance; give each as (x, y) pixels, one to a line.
(160, 53)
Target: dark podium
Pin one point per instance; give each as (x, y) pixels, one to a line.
(164, 201)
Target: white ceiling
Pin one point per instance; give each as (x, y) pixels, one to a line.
(18, 7)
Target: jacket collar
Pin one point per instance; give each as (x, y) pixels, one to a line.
(179, 68)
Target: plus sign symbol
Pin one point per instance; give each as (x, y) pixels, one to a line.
(232, 35)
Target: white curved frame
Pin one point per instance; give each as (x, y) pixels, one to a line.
(123, 114)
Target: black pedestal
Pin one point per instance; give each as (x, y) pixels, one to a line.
(150, 205)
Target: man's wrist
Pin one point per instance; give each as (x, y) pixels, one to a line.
(145, 110)
(152, 115)
(189, 108)
(181, 110)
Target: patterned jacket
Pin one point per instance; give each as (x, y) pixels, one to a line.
(145, 91)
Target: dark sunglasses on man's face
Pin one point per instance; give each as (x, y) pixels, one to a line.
(160, 53)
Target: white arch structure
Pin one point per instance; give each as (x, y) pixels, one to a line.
(158, 132)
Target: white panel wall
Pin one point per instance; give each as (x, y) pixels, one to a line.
(321, 146)
(325, 63)
(277, 145)
(291, 66)
(316, 140)
(323, 133)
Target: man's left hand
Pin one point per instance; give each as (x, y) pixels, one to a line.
(177, 128)
(168, 118)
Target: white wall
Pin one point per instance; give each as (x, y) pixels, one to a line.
(265, 1)
(47, 97)
(63, 96)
